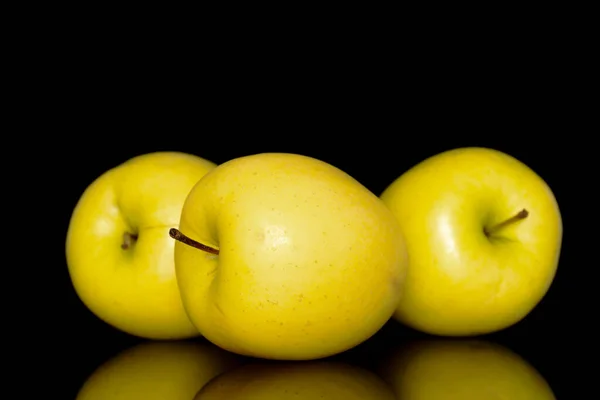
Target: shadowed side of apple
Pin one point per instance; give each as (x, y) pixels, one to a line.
(461, 369)
(158, 370)
(282, 256)
(308, 380)
(119, 253)
(483, 233)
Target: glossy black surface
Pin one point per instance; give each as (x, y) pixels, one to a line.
(373, 149)
(537, 355)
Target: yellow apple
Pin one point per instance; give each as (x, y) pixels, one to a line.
(283, 256)
(483, 233)
(309, 380)
(119, 253)
(158, 370)
(462, 370)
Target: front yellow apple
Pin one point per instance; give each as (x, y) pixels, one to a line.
(310, 263)
(483, 233)
(462, 370)
(158, 370)
(310, 380)
(118, 249)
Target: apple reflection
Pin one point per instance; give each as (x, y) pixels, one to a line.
(158, 370)
(462, 369)
(308, 380)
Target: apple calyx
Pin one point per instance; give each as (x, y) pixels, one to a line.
(128, 240)
(519, 216)
(177, 235)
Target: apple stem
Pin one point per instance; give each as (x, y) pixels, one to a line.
(128, 240)
(519, 216)
(177, 235)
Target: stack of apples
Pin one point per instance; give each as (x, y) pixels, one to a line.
(283, 256)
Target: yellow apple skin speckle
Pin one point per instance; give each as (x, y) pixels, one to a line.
(311, 263)
(134, 289)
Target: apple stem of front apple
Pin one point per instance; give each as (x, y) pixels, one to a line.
(177, 235)
(519, 216)
(128, 240)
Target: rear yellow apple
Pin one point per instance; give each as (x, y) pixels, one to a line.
(118, 249)
(283, 256)
(158, 370)
(462, 370)
(483, 233)
(310, 380)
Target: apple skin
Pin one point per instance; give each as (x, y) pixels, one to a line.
(158, 370)
(135, 289)
(461, 282)
(311, 262)
(461, 369)
(308, 380)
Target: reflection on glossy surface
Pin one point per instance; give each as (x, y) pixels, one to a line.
(465, 370)
(301, 380)
(157, 370)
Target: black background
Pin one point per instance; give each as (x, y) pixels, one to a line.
(368, 147)
(370, 115)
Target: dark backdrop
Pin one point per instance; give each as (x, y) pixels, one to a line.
(375, 143)
(374, 128)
